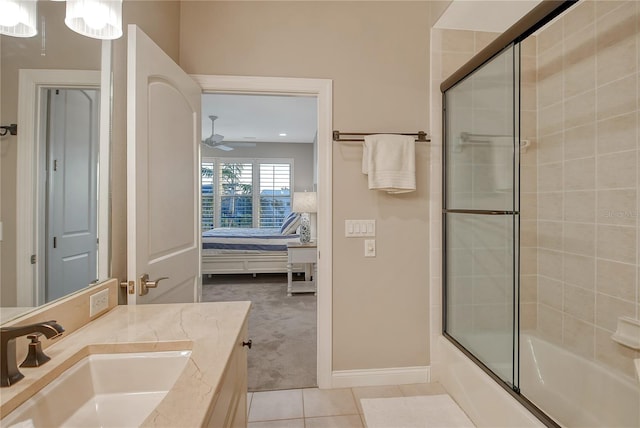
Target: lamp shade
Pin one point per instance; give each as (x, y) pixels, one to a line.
(99, 19)
(18, 18)
(304, 202)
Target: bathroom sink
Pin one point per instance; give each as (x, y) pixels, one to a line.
(103, 390)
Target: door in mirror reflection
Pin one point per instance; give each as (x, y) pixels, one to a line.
(69, 206)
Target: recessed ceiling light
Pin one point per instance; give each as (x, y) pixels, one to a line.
(283, 134)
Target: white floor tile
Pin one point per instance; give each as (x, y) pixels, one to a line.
(375, 392)
(328, 402)
(282, 423)
(348, 421)
(273, 405)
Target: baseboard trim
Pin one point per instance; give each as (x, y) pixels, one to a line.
(379, 377)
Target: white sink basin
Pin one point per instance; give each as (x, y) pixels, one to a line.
(103, 390)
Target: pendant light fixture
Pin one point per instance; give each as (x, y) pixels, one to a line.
(99, 19)
(18, 18)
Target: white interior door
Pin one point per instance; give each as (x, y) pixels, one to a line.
(163, 172)
(72, 187)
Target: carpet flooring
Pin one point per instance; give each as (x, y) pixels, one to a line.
(282, 328)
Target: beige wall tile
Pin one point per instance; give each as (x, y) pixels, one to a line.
(528, 288)
(528, 70)
(550, 120)
(550, 90)
(550, 324)
(492, 290)
(580, 174)
(608, 309)
(578, 336)
(529, 206)
(549, 265)
(617, 98)
(579, 76)
(528, 95)
(550, 206)
(617, 207)
(580, 46)
(617, 60)
(617, 171)
(528, 178)
(616, 243)
(491, 317)
(550, 148)
(618, 133)
(616, 279)
(550, 292)
(528, 128)
(579, 303)
(605, 7)
(617, 25)
(550, 35)
(580, 206)
(452, 61)
(579, 142)
(528, 316)
(550, 62)
(529, 47)
(528, 233)
(579, 110)
(580, 238)
(579, 270)
(613, 354)
(528, 261)
(579, 16)
(550, 177)
(550, 235)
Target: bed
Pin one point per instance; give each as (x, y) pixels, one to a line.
(246, 250)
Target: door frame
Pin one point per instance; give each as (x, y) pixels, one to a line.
(29, 142)
(323, 90)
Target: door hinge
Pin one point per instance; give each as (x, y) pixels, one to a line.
(33, 259)
(55, 242)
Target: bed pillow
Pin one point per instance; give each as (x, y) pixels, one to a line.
(290, 224)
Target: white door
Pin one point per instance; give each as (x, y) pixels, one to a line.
(72, 190)
(163, 143)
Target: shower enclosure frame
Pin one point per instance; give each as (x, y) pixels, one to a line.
(542, 14)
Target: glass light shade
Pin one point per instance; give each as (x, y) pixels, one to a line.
(99, 19)
(304, 202)
(18, 18)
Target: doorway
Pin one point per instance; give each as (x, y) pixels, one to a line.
(68, 201)
(322, 89)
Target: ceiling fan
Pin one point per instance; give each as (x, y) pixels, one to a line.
(215, 140)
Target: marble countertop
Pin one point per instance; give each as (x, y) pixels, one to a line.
(210, 330)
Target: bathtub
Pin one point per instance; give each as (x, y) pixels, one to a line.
(574, 391)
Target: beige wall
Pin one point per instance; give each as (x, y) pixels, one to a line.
(587, 161)
(302, 155)
(64, 49)
(377, 54)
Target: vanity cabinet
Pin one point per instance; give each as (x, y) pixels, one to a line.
(230, 402)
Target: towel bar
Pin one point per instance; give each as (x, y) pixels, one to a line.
(421, 136)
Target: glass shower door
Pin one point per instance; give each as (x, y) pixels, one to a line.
(481, 214)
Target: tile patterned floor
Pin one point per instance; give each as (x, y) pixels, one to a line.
(323, 408)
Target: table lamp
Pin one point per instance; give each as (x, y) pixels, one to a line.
(304, 203)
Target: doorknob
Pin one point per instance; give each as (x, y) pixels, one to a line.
(145, 284)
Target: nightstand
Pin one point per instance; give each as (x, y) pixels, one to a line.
(302, 253)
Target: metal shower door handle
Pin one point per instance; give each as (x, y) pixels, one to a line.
(145, 284)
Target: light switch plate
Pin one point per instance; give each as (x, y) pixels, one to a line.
(369, 247)
(359, 228)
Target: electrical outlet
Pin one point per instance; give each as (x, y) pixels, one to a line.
(98, 302)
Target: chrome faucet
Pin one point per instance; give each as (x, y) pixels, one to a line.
(8, 335)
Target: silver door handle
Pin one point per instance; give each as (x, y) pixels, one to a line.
(145, 284)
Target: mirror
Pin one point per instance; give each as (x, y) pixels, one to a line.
(54, 183)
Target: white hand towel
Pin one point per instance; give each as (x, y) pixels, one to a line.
(390, 162)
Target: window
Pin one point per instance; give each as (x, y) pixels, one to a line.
(229, 199)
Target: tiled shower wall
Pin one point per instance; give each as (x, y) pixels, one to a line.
(587, 179)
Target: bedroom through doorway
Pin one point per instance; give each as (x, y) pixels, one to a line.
(259, 162)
